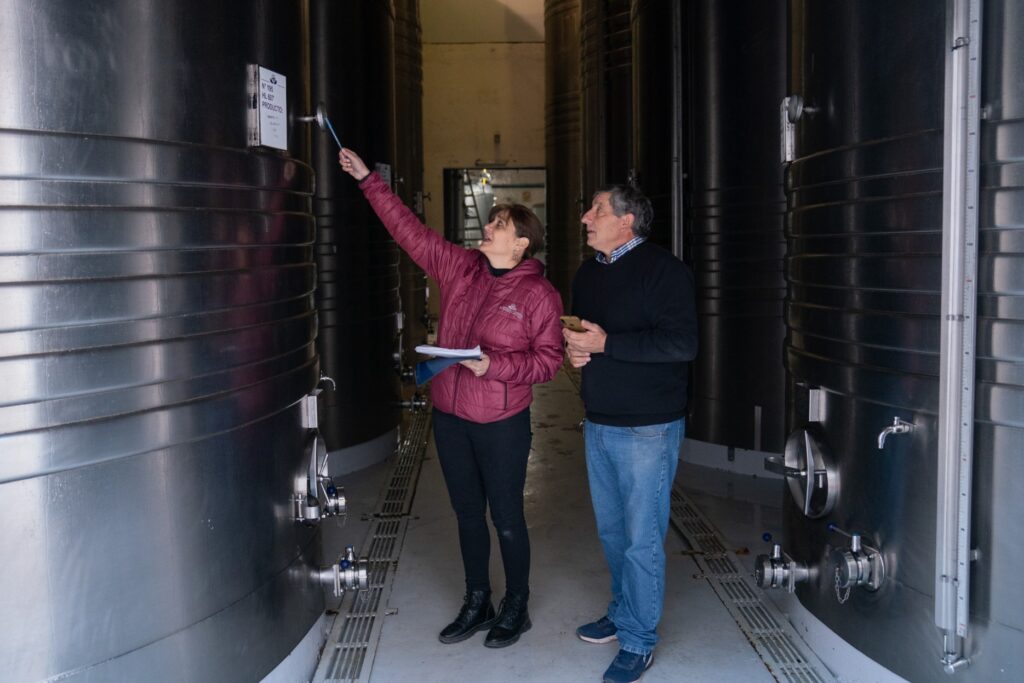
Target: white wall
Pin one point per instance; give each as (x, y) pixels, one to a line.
(483, 74)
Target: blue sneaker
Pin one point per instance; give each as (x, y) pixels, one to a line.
(601, 631)
(628, 667)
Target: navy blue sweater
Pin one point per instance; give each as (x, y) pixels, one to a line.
(644, 301)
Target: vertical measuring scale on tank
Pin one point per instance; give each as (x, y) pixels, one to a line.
(959, 324)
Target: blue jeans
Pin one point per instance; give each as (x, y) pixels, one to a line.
(631, 471)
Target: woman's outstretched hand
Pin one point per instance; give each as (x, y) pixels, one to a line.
(351, 163)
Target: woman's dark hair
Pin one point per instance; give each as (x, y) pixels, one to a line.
(527, 225)
(628, 199)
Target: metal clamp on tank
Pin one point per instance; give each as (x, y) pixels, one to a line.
(348, 574)
(809, 470)
(316, 495)
(779, 570)
(859, 565)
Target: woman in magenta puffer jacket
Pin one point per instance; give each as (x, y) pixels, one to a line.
(497, 297)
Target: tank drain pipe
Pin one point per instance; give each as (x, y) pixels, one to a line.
(957, 351)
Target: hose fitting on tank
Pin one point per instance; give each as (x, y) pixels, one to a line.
(859, 565)
(348, 573)
(779, 570)
(416, 403)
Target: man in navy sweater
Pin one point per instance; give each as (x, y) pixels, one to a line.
(636, 303)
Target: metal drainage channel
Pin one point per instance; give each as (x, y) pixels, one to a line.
(783, 652)
(352, 644)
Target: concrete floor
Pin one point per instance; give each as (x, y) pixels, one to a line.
(569, 582)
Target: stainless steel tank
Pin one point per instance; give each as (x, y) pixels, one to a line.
(606, 91)
(657, 78)
(357, 297)
(409, 164)
(864, 271)
(562, 141)
(735, 209)
(157, 336)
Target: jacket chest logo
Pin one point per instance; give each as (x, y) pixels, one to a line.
(512, 310)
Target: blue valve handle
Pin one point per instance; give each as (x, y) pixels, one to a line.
(331, 129)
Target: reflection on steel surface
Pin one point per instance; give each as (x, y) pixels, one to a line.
(864, 271)
(157, 338)
(357, 294)
(736, 209)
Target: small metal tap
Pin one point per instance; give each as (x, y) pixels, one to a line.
(898, 426)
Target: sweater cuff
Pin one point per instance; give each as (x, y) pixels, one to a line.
(369, 176)
(608, 346)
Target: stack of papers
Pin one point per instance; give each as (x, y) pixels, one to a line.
(441, 352)
(443, 358)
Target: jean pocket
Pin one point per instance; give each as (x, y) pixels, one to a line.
(650, 431)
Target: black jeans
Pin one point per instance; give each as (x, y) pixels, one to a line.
(485, 464)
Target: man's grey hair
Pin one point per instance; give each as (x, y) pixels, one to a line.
(627, 199)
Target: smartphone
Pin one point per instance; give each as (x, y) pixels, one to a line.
(572, 322)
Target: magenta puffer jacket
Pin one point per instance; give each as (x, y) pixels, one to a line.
(514, 318)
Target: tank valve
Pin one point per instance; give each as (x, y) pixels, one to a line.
(779, 570)
(349, 573)
(331, 497)
(415, 404)
(898, 426)
(408, 374)
(859, 565)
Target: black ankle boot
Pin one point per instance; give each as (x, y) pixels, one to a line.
(513, 620)
(477, 613)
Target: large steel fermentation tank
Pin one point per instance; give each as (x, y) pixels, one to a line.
(562, 141)
(156, 340)
(735, 212)
(358, 282)
(864, 270)
(657, 115)
(409, 165)
(606, 93)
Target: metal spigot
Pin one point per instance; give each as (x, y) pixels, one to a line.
(898, 426)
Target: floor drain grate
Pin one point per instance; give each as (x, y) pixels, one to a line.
(352, 644)
(353, 640)
(397, 498)
(787, 657)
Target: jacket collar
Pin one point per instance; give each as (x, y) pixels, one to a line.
(526, 268)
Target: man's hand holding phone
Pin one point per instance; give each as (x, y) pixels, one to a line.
(582, 338)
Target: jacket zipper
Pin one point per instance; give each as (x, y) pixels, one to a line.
(479, 310)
